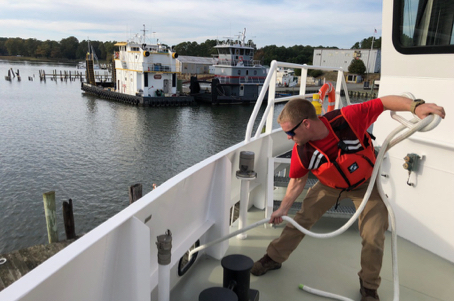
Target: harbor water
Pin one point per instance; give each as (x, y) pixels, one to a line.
(56, 138)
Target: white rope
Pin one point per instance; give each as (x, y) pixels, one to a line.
(411, 126)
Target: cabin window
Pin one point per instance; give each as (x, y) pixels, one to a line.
(224, 50)
(423, 26)
(239, 72)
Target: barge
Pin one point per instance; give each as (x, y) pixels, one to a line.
(143, 74)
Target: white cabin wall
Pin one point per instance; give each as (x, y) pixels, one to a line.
(424, 212)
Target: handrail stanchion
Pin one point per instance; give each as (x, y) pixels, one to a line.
(303, 80)
(246, 174)
(270, 106)
(340, 77)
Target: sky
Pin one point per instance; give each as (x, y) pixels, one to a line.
(339, 23)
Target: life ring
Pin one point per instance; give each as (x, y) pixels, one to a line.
(240, 58)
(328, 88)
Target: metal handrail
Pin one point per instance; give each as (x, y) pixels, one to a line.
(270, 86)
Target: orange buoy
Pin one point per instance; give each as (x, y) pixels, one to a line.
(328, 89)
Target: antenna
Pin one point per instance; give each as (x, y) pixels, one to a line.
(144, 31)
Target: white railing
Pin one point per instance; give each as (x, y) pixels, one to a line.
(270, 85)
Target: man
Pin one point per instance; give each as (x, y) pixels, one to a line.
(337, 149)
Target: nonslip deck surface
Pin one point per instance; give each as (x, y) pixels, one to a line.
(328, 264)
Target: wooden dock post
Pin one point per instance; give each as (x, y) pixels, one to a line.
(68, 218)
(135, 193)
(51, 216)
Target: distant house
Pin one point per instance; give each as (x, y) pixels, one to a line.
(343, 58)
(194, 64)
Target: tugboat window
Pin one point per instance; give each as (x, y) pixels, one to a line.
(423, 26)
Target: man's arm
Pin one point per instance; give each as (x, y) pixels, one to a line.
(399, 103)
(294, 189)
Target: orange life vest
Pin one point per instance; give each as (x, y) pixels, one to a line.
(355, 157)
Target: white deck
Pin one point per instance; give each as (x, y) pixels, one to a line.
(327, 264)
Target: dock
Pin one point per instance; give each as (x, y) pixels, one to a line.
(16, 264)
(354, 90)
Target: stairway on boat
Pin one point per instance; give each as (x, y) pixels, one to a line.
(281, 165)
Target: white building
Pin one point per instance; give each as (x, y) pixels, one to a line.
(343, 58)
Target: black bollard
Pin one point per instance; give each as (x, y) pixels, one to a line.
(217, 294)
(236, 276)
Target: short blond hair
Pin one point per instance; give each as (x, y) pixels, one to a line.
(296, 109)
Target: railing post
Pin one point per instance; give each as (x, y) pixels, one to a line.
(340, 77)
(245, 174)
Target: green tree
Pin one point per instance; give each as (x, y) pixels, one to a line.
(187, 48)
(3, 50)
(55, 51)
(44, 49)
(357, 67)
(15, 46)
(367, 43)
(82, 50)
(69, 47)
(109, 48)
(30, 46)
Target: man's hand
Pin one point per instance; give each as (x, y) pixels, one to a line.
(276, 216)
(294, 189)
(424, 110)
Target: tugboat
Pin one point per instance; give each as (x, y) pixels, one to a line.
(143, 74)
(238, 77)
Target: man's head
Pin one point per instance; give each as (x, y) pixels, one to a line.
(297, 109)
(299, 120)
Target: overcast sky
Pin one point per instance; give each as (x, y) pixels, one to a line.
(338, 23)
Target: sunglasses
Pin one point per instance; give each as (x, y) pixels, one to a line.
(292, 131)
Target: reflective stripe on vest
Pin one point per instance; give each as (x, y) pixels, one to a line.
(355, 157)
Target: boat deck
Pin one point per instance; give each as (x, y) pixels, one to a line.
(327, 264)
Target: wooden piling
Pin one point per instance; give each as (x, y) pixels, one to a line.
(51, 216)
(68, 218)
(135, 193)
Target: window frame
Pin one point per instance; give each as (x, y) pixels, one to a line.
(396, 33)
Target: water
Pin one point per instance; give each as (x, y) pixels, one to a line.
(55, 137)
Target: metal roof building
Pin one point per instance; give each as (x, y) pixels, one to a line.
(343, 58)
(194, 64)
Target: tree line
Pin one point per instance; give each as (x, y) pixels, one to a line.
(71, 49)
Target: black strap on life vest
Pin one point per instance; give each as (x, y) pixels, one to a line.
(350, 186)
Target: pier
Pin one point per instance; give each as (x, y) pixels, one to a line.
(15, 264)
(18, 263)
(63, 75)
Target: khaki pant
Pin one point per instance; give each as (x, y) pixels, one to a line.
(373, 222)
